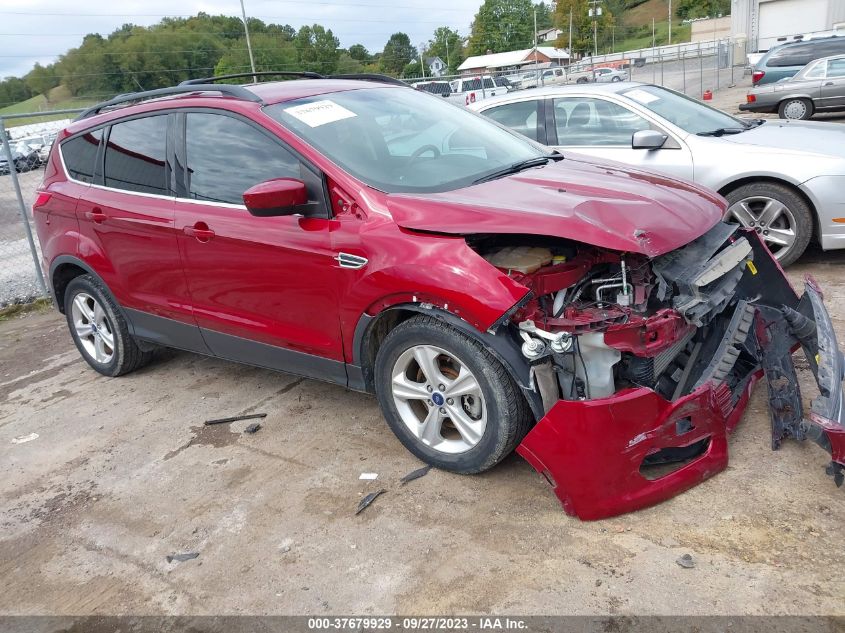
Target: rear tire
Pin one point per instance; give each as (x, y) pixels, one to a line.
(458, 408)
(780, 216)
(796, 109)
(99, 330)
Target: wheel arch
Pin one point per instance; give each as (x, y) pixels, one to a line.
(371, 331)
(66, 268)
(727, 188)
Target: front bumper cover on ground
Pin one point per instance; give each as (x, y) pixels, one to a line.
(592, 452)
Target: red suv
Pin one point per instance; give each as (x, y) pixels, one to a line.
(492, 294)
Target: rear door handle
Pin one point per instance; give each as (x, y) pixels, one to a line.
(96, 215)
(200, 231)
(828, 83)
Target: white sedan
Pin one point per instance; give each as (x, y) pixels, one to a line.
(784, 179)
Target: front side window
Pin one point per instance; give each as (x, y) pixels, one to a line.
(135, 156)
(399, 140)
(521, 117)
(225, 157)
(80, 155)
(595, 122)
(836, 68)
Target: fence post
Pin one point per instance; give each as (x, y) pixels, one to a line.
(683, 66)
(700, 72)
(13, 174)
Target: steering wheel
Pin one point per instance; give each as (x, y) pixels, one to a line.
(419, 152)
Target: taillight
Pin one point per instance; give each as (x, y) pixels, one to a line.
(750, 98)
(757, 75)
(42, 199)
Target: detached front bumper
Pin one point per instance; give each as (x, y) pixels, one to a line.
(596, 453)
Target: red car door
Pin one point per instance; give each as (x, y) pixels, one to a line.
(262, 289)
(128, 233)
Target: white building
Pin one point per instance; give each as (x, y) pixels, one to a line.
(762, 22)
(480, 64)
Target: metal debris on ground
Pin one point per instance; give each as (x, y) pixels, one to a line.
(23, 439)
(252, 428)
(237, 418)
(686, 561)
(368, 500)
(370, 476)
(415, 474)
(182, 557)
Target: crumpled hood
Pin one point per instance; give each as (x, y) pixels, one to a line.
(579, 198)
(806, 137)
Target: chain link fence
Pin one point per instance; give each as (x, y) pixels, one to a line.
(23, 152)
(690, 67)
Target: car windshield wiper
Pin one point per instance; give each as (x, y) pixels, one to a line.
(517, 167)
(723, 130)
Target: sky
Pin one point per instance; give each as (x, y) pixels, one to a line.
(40, 30)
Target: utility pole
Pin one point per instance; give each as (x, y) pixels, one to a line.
(248, 44)
(595, 12)
(422, 66)
(448, 65)
(536, 67)
(570, 36)
(670, 21)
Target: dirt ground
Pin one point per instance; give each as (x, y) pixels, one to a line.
(123, 474)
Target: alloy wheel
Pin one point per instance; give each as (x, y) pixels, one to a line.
(795, 110)
(93, 328)
(439, 399)
(770, 218)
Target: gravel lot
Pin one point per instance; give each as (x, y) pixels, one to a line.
(123, 474)
(18, 283)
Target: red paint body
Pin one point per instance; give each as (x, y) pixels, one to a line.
(275, 279)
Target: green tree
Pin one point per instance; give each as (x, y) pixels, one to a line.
(347, 65)
(317, 49)
(397, 53)
(687, 9)
(545, 15)
(582, 27)
(412, 70)
(359, 52)
(42, 79)
(502, 25)
(448, 45)
(269, 51)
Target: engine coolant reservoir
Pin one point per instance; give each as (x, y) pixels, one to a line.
(522, 259)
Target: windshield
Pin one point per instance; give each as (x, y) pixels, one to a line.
(400, 140)
(688, 114)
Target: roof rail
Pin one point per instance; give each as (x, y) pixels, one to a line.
(210, 80)
(238, 92)
(385, 79)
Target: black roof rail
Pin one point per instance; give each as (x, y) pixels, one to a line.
(385, 79)
(209, 80)
(238, 92)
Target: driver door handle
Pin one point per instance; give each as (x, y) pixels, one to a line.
(96, 215)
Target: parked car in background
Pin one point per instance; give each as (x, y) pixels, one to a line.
(491, 293)
(782, 179)
(40, 145)
(607, 75)
(782, 62)
(441, 88)
(24, 158)
(818, 87)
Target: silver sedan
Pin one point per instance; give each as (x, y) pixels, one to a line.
(818, 87)
(784, 179)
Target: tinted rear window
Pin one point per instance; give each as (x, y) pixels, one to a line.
(80, 155)
(135, 156)
(802, 54)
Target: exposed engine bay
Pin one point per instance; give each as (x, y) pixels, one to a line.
(696, 325)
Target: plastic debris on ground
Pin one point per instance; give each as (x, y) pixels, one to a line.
(366, 501)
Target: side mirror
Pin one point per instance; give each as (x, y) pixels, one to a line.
(279, 196)
(648, 139)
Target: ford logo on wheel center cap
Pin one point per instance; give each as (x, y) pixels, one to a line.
(437, 398)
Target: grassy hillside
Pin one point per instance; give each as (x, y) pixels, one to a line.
(60, 99)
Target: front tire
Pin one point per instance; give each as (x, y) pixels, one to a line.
(777, 213)
(99, 330)
(796, 109)
(447, 398)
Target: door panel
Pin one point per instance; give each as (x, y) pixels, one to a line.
(601, 128)
(833, 87)
(127, 226)
(269, 280)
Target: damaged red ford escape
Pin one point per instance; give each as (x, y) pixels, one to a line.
(601, 321)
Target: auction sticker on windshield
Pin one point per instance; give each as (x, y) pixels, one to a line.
(641, 95)
(319, 113)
